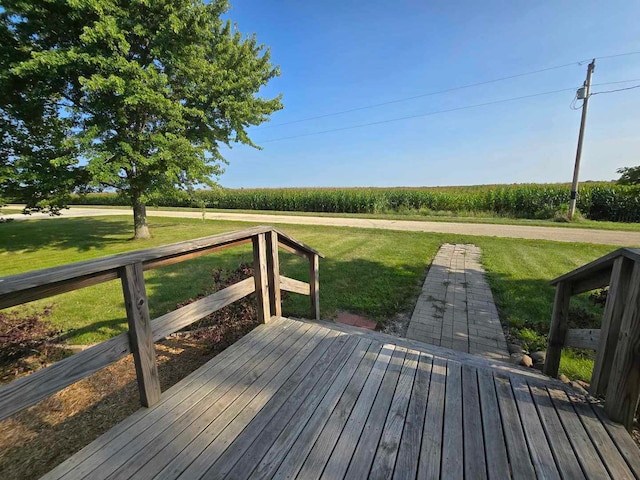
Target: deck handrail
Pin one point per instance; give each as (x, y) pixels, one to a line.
(616, 370)
(143, 332)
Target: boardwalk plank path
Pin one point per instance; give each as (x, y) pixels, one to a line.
(301, 399)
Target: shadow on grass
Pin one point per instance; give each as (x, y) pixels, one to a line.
(529, 303)
(80, 234)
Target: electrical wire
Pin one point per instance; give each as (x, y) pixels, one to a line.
(614, 83)
(616, 90)
(574, 102)
(436, 112)
(439, 92)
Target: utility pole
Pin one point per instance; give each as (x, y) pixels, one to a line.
(586, 93)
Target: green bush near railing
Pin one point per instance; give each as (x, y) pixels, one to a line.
(596, 201)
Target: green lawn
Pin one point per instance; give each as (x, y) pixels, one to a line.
(462, 217)
(372, 272)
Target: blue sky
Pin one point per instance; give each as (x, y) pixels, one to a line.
(341, 55)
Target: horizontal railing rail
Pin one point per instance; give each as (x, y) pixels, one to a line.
(143, 332)
(616, 370)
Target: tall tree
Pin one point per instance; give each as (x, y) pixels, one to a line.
(145, 91)
(629, 175)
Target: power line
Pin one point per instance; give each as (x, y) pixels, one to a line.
(615, 83)
(439, 92)
(616, 90)
(436, 112)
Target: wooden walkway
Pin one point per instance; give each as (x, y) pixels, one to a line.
(298, 399)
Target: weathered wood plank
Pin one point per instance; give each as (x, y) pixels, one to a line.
(431, 448)
(596, 279)
(366, 442)
(332, 452)
(365, 447)
(475, 466)
(273, 273)
(187, 389)
(247, 451)
(151, 441)
(494, 443)
(293, 285)
(375, 455)
(292, 446)
(558, 328)
(51, 288)
(452, 440)
(144, 354)
(183, 257)
(610, 455)
(588, 338)
(625, 444)
(566, 459)
(296, 244)
(55, 280)
(521, 466)
(611, 320)
(171, 452)
(184, 316)
(623, 390)
(587, 454)
(261, 278)
(541, 455)
(407, 461)
(462, 357)
(267, 401)
(314, 286)
(29, 390)
(598, 264)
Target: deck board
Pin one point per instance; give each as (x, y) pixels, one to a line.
(297, 399)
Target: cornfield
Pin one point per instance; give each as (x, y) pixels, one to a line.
(596, 200)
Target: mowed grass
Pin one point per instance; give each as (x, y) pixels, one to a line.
(372, 272)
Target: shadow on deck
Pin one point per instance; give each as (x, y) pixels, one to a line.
(300, 399)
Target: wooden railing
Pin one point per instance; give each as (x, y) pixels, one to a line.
(616, 372)
(143, 332)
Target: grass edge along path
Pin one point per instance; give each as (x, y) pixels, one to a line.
(371, 272)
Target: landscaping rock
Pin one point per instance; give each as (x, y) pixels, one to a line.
(538, 357)
(516, 358)
(526, 361)
(577, 385)
(584, 384)
(538, 366)
(563, 378)
(521, 359)
(515, 348)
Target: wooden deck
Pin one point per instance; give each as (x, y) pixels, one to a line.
(298, 399)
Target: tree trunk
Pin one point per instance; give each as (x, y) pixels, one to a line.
(140, 219)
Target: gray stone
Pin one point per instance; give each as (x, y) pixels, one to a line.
(577, 385)
(515, 348)
(516, 358)
(538, 357)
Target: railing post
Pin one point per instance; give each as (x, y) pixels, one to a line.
(623, 388)
(558, 329)
(314, 285)
(140, 337)
(611, 320)
(273, 273)
(260, 277)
